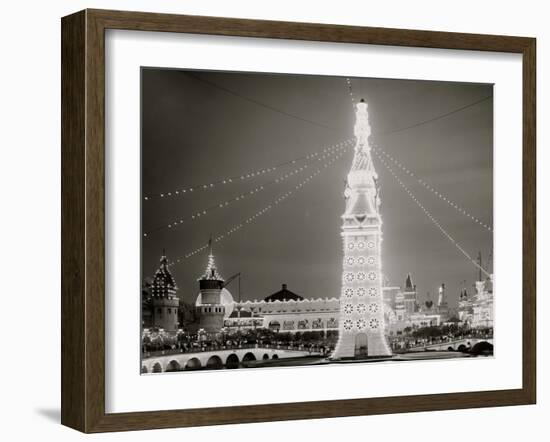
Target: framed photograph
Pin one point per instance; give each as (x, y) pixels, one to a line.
(267, 221)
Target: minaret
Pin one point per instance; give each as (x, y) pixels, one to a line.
(165, 302)
(361, 325)
(409, 295)
(211, 311)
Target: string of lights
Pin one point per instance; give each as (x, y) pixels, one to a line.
(334, 150)
(353, 102)
(377, 150)
(350, 91)
(243, 176)
(258, 214)
(420, 123)
(432, 218)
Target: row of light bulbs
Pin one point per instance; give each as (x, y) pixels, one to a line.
(432, 219)
(251, 219)
(333, 150)
(377, 150)
(348, 81)
(244, 176)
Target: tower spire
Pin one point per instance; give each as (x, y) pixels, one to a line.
(211, 272)
(164, 260)
(362, 190)
(408, 283)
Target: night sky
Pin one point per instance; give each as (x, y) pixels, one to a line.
(202, 127)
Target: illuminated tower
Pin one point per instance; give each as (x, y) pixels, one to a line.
(165, 303)
(442, 305)
(361, 325)
(211, 310)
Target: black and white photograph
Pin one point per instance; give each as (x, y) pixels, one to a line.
(303, 220)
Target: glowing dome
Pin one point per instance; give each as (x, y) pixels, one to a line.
(226, 300)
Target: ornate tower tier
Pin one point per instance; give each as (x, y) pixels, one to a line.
(211, 310)
(361, 326)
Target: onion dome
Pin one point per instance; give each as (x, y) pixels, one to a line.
(163, 285)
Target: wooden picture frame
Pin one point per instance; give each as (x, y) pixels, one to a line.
(83, 220)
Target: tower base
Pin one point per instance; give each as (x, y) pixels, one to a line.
(361, 346)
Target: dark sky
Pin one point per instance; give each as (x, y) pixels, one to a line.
(207, 126)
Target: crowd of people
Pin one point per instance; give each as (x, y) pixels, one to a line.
(157, 341)
(419, 338)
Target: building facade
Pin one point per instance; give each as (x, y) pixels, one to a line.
(403, 311)
(477, 310)
(286, 311)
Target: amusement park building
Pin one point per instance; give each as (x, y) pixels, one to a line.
(287, 311)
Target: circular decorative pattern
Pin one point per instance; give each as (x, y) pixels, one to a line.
(373, 291)
(361, 245)
(374, 323)
(351, 246)
(348, 309)
(361, 260)
(372, 276)
(361, 324)
(361, 308)
(361, 291)
(373, 308)
(361, 276)
(349, 277)
(371, 260)
(370, 245)
(348, 324)
(350, 260)
(348, 292)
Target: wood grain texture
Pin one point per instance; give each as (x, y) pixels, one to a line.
(529, 221)
(83, 220)
(73, 130)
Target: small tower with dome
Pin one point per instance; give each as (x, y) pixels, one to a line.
(211, 310)
(165, 303)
